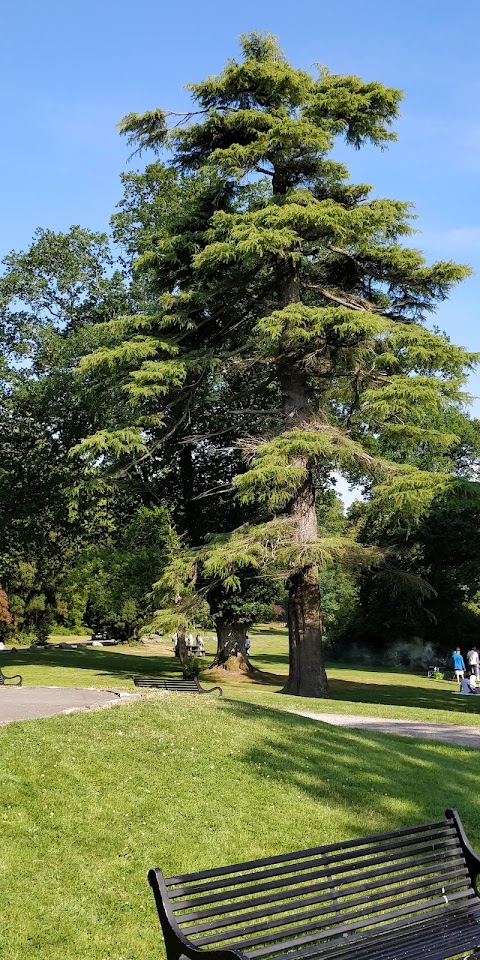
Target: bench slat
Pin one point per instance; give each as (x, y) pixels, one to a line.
(438, 827)
(274, 908)
(165, 683)
(408, 940)
(174, 684)
(420, 892)
(397, 896)
(324, 869)
(277, 931)
(303, 891)
(360, 919)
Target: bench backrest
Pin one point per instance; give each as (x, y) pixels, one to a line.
(169, 683)
(302, 902)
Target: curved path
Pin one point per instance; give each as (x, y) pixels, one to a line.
(462, 736)
(30, 703)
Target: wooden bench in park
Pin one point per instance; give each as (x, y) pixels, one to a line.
(404, 895)
(175, 684)
(16, 680)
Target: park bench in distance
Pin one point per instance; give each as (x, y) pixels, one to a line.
(394, 896)
(177, 684)
(16, 680)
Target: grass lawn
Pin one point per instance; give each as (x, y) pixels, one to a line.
(356, 690)
(90, 801)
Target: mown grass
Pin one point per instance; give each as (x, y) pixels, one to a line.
(361, 691)
(91, 801)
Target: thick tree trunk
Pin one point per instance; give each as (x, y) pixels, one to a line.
(307, 677)
(232, 655)
(231, 652)
(187, 475)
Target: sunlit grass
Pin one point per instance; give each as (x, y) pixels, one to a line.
(91, 801)
(361, 691)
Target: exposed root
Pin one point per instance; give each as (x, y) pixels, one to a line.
(240, 670)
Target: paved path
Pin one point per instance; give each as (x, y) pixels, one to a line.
(30, 703)
(463, 736)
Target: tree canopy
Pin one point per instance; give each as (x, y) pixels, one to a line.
(270, 330)
(271, 268)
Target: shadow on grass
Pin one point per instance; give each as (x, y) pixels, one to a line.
(102, 662)
(391, 694)
(432, 698)
(375, 781)
(112, 665)
(275, 658)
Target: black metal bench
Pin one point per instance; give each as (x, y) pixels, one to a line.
(404, 895)
(176, 684)
(16, 680)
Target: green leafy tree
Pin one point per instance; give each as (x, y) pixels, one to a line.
(274, 267)
(115, 576)
(442, 551)
(51, 299)
(201, 457)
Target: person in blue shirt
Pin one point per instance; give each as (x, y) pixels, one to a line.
(458, 665)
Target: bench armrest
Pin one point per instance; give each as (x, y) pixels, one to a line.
(177, 945)
(201, 690)
(471, 858)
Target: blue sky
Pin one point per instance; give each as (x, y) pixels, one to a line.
(70, 71)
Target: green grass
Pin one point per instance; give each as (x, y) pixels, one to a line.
(91, 801)
(353, 690)
(90, 666)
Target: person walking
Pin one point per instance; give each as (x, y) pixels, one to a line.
(458, 665)
(473, 663)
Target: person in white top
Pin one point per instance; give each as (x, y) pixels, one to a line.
(473, 662)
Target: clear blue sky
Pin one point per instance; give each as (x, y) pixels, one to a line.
(70, 71)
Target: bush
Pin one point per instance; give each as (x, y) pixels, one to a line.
(24, 639)
(60, 630)
(192, 668)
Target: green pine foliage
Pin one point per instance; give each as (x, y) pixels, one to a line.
(271, 269)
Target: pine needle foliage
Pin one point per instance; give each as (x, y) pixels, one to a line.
(272, 267)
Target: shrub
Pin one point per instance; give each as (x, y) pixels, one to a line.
(192, 668)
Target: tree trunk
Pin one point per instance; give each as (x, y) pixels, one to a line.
(182, 652)
(187, 475)
(307, 677)
(231, 644)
